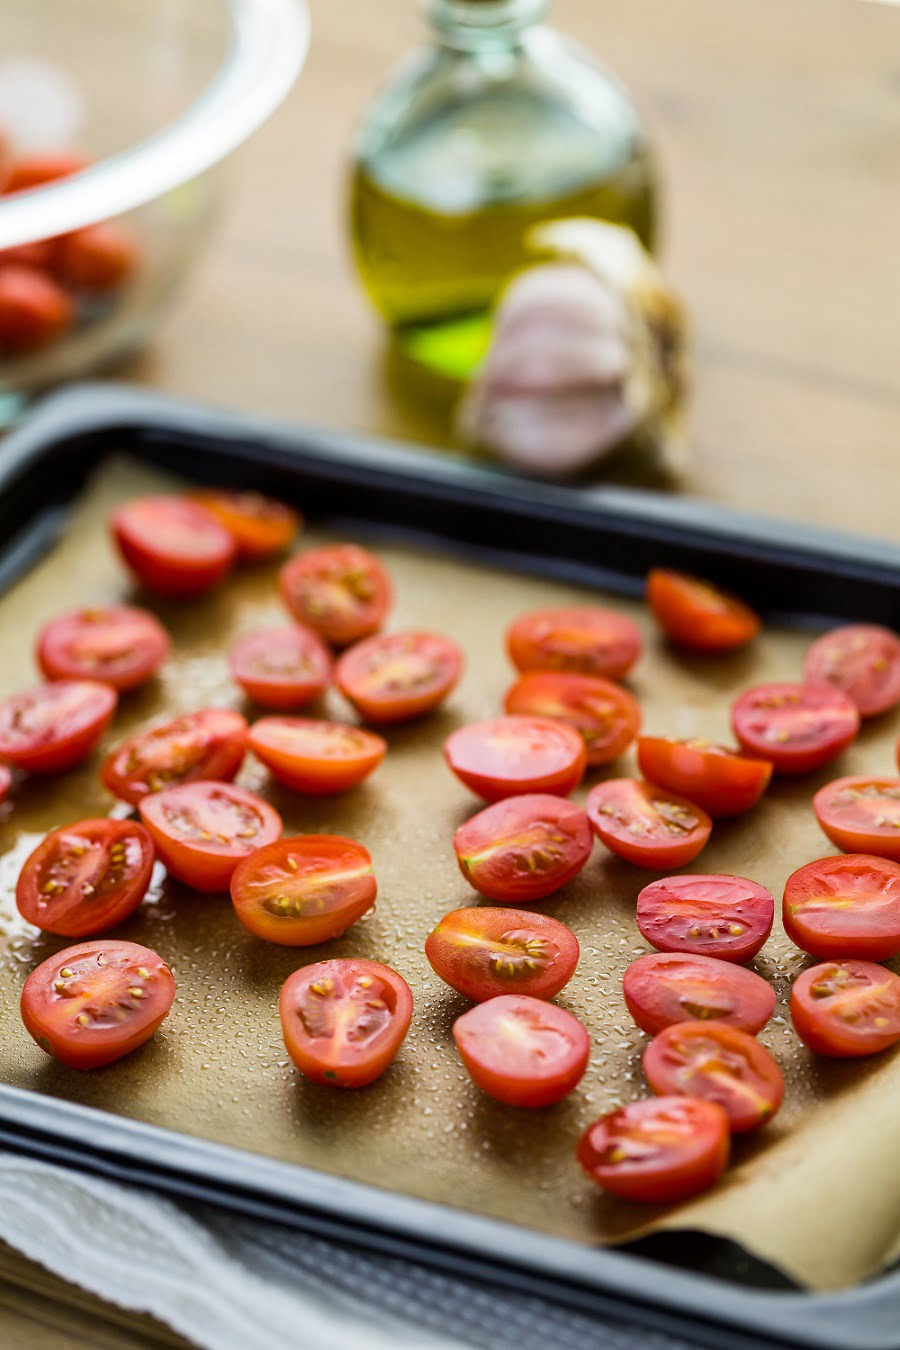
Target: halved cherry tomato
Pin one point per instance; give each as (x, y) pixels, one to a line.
(34, 310)
(861, 814)
(719, 915)
(658, 1151)
(398, 676)
(646, 825)
(863, 660)
(847, 1008)
(799, 727)
(724, 782)
(55, 726)
(172, 545)
(845, 906)
(508, 756)
(94, 1003)
(697, 615)
(304, 890)
(318, 758)
(281, 667)
(31, 171)
(86, 877)
(260, 526)
(667, 987)
(604, 714)
(524, 848)
(523, 1051)
(207, 744)
(344, 1020)
(341, 591)
(718, 1062)
(485, 952)
(96, 258)
(118, 645)
(582, 638)
(202, 830)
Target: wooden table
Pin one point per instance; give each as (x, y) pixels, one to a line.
(778, 126)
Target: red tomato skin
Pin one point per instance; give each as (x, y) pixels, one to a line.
(313, 1061)
(40, 906)
(865, 836)
(491, 1066)
(44, 1004)
(58, 661)
(729, 901)
(698, 616)
(381, 708)
(486, 847)
(512, 777)
(604, 714)
(97, 258)
(863, 660)
(278, 687)
(315, 776)
(260, 526)
(529, 954)
(298, 578)
(749, 1108)
(34, 310)
(845, 931)
(848, 1039)
(704, 1146)
(31, 171)
(668, 987)
(617, 794)
(309, 926)
(218, 734)
(173, 568)
(5, 782)
(724, 782)
(750, 731)
(197, 862)
(67, 747)
(585, 639)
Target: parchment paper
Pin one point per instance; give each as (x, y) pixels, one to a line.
(817, 1192)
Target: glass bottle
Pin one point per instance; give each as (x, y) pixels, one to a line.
(502, 123)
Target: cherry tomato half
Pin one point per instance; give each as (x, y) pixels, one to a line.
(718, 915)
(720, 1063)
(341, 591)
(799, 727)
(117, 645)
(318, 758)
(344, 1020)
(658, 1151)
(847, 1008)
(97, 258)
(523, 1051)
(508, 756)
(172, 545)
(604, 714)
(646, 825)
(303, 890)
(397, 676)
(667, 987)
(485, 952)
(31, 171)
(697, 615)
(94, 1003)
(845, 906)
(202, 830)
(724, 782)
(53, 727)
(86, 877)
(863, 660)
(524, 848)
(582, 638)
(861, 815)
(281, 667)
(260, 526)
(207, 744)
(34, 310)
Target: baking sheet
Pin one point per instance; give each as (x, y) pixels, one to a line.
(817, 1192)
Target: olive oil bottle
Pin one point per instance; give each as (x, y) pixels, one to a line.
(501, 124)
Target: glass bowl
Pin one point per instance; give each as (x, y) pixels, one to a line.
(156, 93)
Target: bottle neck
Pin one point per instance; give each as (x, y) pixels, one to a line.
(480, 25)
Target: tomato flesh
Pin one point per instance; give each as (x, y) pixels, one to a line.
(344, 1020)
(646, 825)
(658, 1151)
(55, 726)
(281, 668)
(799, 727)
(724, 782)
(317, 758)
(721, 1064)
(119, 645)
(697, 615)
(711, 915)
(582, 638)
(397, 676)
(861, 815)
(523, 1051)
(202, 830)
(260, 526)
(341, 591)
(483, 952)
(509, 756)
(863, 660)
(524, 848)
(172, 545)
(847, 1008)
(207, 744)
(86, 877)
(95, 1002)
(668, 987)
(604, 714)
(304, 890)
(845, 906)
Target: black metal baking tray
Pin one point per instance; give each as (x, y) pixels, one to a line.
(602, 536)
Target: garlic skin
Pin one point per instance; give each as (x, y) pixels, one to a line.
(587, 351)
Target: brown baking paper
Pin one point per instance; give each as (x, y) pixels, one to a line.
(817, 1192)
